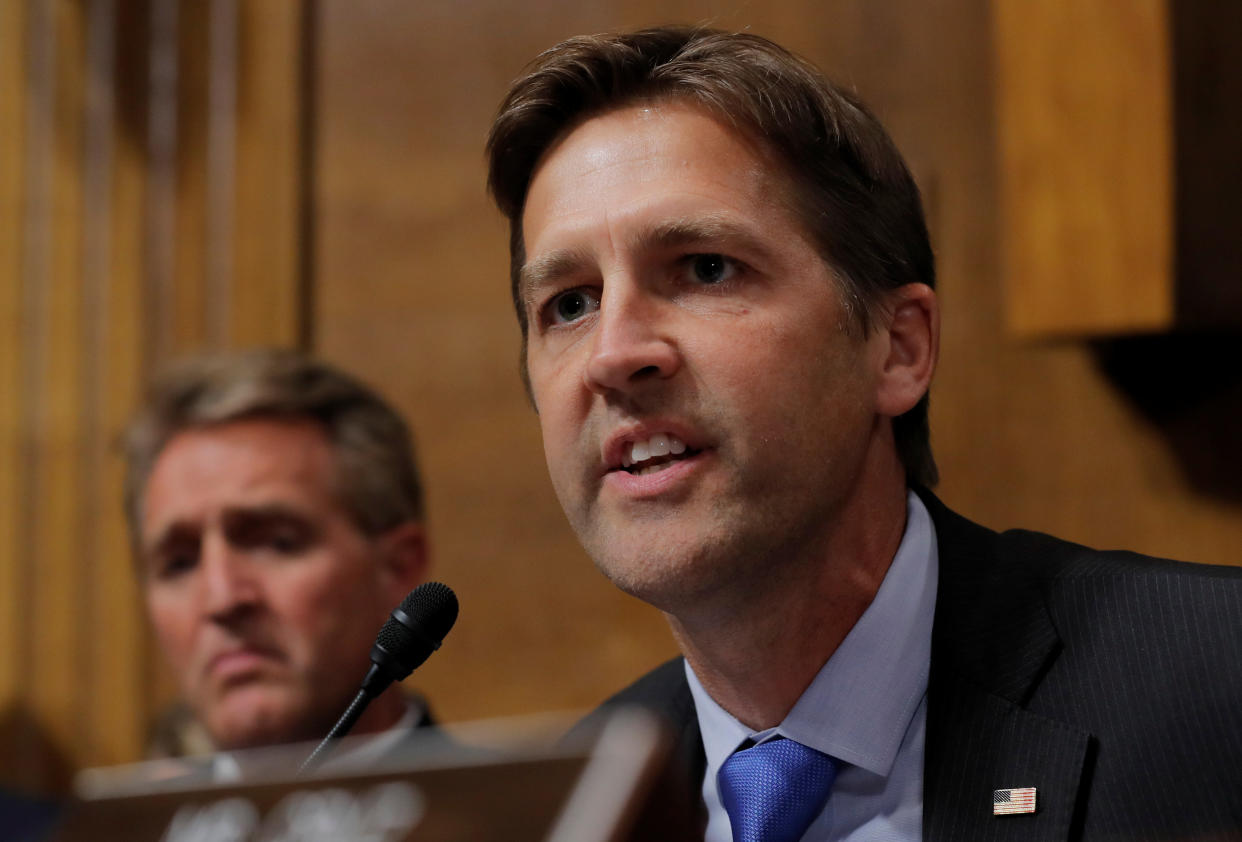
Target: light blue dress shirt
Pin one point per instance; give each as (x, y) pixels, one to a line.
(867, 707)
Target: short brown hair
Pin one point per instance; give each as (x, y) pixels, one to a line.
(377, 476)
(853, 191)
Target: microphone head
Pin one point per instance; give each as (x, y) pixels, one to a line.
(414, 630)
(432, 607)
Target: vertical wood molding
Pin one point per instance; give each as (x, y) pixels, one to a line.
(265, 297)
(220, 162)
(97, 175)
(57, 543)
(115, 651)
(1207, 88)
(107, 161)
(189, 282)
(1084, 115)
(122, 658)
(38, 126)
(12, 198)
(160, 215)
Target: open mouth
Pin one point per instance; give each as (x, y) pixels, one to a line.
(655, 454)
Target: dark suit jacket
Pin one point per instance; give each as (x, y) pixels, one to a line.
(26, 819)
(1110, 681)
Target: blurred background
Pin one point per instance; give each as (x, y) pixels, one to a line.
(179, 175)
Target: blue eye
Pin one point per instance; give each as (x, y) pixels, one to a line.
(572, 305)
(712, 268)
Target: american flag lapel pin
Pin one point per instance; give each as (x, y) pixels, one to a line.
(1007, 802)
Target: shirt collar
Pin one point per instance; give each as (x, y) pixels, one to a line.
(861, 702)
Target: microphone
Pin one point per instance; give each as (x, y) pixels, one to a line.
(413, 631)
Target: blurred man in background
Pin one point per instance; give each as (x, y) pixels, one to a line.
(276, 514)
(724, 283)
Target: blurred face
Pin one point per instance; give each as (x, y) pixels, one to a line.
(265, 597)
(705, 410)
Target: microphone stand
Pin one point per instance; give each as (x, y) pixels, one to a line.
(340, 729)
(413, 631)
(376, 681)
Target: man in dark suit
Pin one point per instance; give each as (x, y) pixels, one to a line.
(725, 287)
(275, 510)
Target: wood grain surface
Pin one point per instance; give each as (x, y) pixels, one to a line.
(113, 259)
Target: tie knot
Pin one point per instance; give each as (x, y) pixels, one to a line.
(773, 791)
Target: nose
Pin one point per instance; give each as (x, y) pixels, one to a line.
(229, 585)
(632, 341)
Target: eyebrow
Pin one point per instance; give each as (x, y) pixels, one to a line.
(266, 511)
(708, 228)
(546, 268)
(181, 529)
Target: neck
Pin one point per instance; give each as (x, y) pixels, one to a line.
(757, 647)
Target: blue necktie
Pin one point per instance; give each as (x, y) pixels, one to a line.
(773, 791)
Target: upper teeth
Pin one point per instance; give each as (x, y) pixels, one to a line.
(661, 444)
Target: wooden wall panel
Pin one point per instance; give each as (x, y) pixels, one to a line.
(55, 393)
(1038, 433)
(12, 198)
(411, 292)
(101, 280)
(189, 289)
(118, 652)
(1207, 87)
(264, 284)
(1085, 130)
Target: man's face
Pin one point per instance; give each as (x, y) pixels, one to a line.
(706, 407)
(264, 595)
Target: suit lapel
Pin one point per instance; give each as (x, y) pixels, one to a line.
(992, 643)
(978, 742)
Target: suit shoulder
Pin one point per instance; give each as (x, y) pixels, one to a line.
(1057, 558)
(656, 690)
(1124, 611)
(974, 551)
(663, 691)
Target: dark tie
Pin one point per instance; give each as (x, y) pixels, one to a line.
(773, 791)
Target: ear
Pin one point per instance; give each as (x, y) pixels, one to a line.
(403, 557)
(910, 352)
